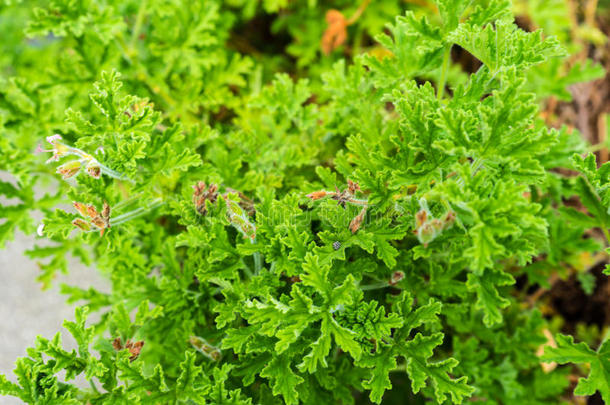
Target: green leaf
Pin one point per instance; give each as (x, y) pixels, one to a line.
(381, 366)
(345, 338)
(569, 352)
(484, 248)
(190, 385)
(503, 44)
(489, 299)
(284, 381)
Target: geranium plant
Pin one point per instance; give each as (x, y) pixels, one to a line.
(350, 234)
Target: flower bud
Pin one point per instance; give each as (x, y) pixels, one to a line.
(449, 220)
(201, 194)
(352, 187)
(81, 224)
(397, 277)
(69, 169)
(357, 221)
(134, 348)
(205, 348)
(93, 169)
(81, 208)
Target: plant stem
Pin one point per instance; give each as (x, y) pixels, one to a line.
(135, 213)
(374, 286)
(358, 12)
(111, 173)
(92, 384)
(258, 263)
(127, 202)
(357, 201)
(444, 69)
(477, 164)
(138, 26)
(597, 147)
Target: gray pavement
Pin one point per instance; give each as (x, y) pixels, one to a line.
(26, 310)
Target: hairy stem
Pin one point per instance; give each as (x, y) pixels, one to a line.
(135, 213)
(444, 70)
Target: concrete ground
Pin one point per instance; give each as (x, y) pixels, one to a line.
(26, 310)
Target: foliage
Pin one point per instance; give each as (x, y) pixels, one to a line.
(348, 235)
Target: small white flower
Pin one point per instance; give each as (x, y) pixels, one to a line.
(40, 230)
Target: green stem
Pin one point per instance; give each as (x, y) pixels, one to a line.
(258, 263)
(135, 213)
(477, 164)
(248, 272)
(111, 173)
(444, 69)
(357, 42)
(598, 147)
(357, 201)
(374, 286)
(138, 26)
(127, 202)
(92, 384)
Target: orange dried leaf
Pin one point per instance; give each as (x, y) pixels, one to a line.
(336, 32)
(316, 195)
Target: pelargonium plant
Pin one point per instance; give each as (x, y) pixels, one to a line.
(292, 212)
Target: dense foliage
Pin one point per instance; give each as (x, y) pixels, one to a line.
(291, 213)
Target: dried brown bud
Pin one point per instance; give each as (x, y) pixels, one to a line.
(396, 278)
(357, 221)
(203, 193)
(352, 187)
(199, 188)
(420, 218)
(91, 211)
(106, 213)
(99, 220)
(134, 348)
(94, 170)
(116, 343)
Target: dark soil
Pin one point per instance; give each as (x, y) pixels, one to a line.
(568, 299)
